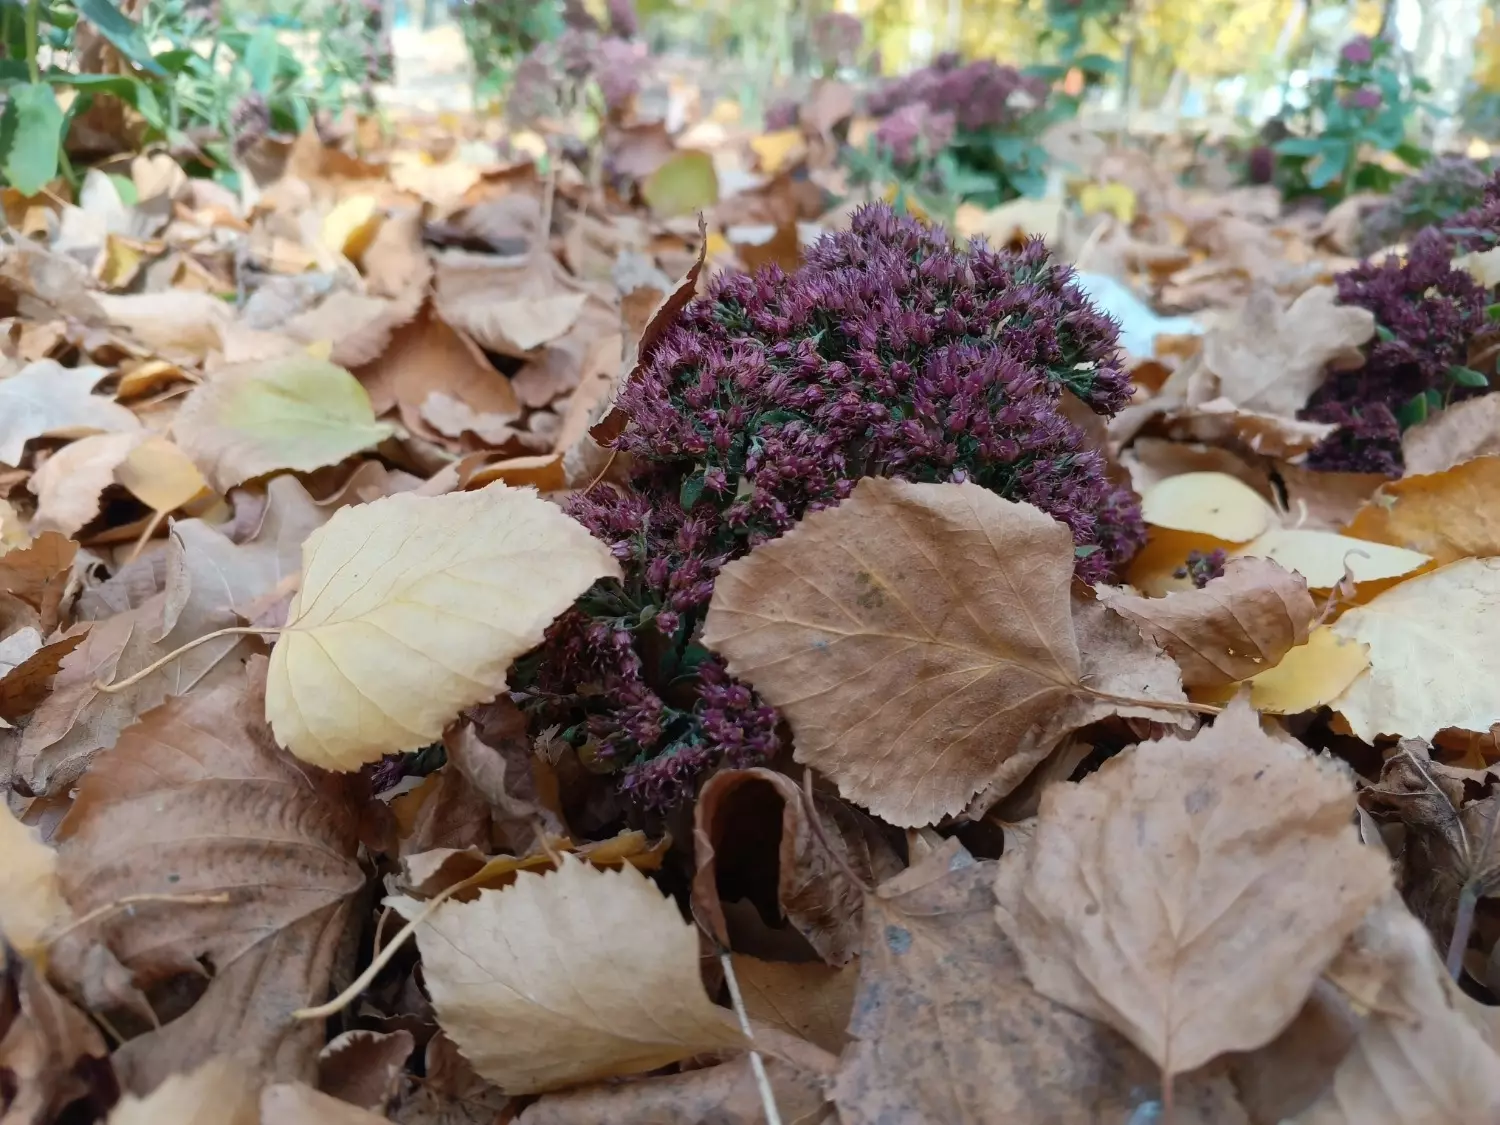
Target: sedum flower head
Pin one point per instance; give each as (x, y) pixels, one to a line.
(889, 353)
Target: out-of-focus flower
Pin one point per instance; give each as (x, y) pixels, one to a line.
(783, 114)
(1366, 97)
(1436, 195)
(1357, 51)
(623, 21)
(914, 132)
(249, 121)
(1204, 566)
(835, 38)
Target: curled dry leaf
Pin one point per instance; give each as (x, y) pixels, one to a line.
(916, 638)
(1190, 892)
(412, 608)
(1450, 515)
(160, 475)
(1448, 438)
(1417, 1058)
(814, 888)
(222, 1091)
(1434, 662)
(46, 398)
(31, 899)
(1272, 358)
(570, 977)
(1240, 623)
(364, 1068)
(196, 803)
(947, 1029)
(293, 413)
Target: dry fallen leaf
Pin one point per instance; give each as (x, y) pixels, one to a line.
(1450, 515)
(294, 413)
(625, 999)
(365, 1068)
(806, 998)
(412, 608)
(46, 398)
(71, 482)
(222, 1091)
(913, 637)
(160, 475)
(947, 1029)
(1272, 358)
(31, 900)
(1321, 557)
(1208, 503)
(1433, 658)
(1311, 675)
(1418, 1060)
(1454, 435)
(52, 1056)
(292, 1103)
(1237, 625)
(1190, 892)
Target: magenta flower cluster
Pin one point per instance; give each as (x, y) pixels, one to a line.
(1479, 227)
(548, 78)
(915, 132)
(981, 95)
(1426, 314)
(889, 353)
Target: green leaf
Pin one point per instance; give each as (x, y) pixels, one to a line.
(1384, 334)
(1298, 146)
(30, 136)
(685, 183)
(123, 32)
(132, 91)
(1493, 312)
(1329, 168)
(260, 58)
(1419, 408)
(692, 489)
(1467, 376)
(1096, 64)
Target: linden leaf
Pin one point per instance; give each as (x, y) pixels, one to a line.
(160, 475)
(1311, 675)
(296, 412)
(1190, 893)
(1215, 504)
(1450, 515)
(1237, 625)
(920, 639)
(1434, 662)
(568, 977)
(47, 398)
(685, 182)
(1321, 557)
(31, 898)
(412, 608)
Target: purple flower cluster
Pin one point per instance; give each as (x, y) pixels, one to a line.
(1436, 195)
(890, 353)
(981, 95)
(623, 21)
(547, 79)
(1203, 566)
(915, 132)
(783, 114)
(1358, 51)
(1426, 314)
(1479, 227)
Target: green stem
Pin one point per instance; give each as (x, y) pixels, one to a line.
(33, 14)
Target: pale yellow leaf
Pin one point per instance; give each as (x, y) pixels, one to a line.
(1310, 675)
(1191, 891)
(1322, 556)
(45, 399)
(160, 475)
(1116, 198)
(70, 484)
(292, 1103)
(1215, 504)
(412, 608)
(1020, 218)
(296, 412)
(220, 1092)
(569, 977)
(920, 638)
(1434, 658)
(351, 226)
(31, 899)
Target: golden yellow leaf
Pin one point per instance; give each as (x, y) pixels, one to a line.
(295, 412)
(778, 149)
(160, 475)
(1215, 504)
(1191, 892)
(412, 608)
(1322, 556)
(576, 975)
(1451, 515)
(1116, 198)
(31, 899)
(921, 638)
(1434, 660)
(351, 226)
(220, 1092)
(1310, 675)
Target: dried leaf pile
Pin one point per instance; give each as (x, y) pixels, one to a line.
(278, 484)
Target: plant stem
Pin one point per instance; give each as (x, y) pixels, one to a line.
(33, 14)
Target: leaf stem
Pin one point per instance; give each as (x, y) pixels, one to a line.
(135, 900)
(1163, 704)
(156, 665)
(33, 66)
(757, 1064)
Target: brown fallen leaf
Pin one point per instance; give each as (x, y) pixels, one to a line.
(1272, 358)
(1324, 501)
(1450, 515)
(1190, 892)
(451, 1093)
(70, 484)
(626, 999)
(1454, 435)
(911, 652)
(38, 574)
(293, 1103)
(24, 686)
(358, 327)
(497, 758)
(820, 893)
(806, 998)
(178, 324)
(196, 804)
(947, 1029)
(1240, 623)
(1279, 1080)
(222, 1091)
(1419, 1060)
(45, 398)
(429, 357)
(508, 305)
(365, 1068)
(726, 1094)
(51, 1055)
